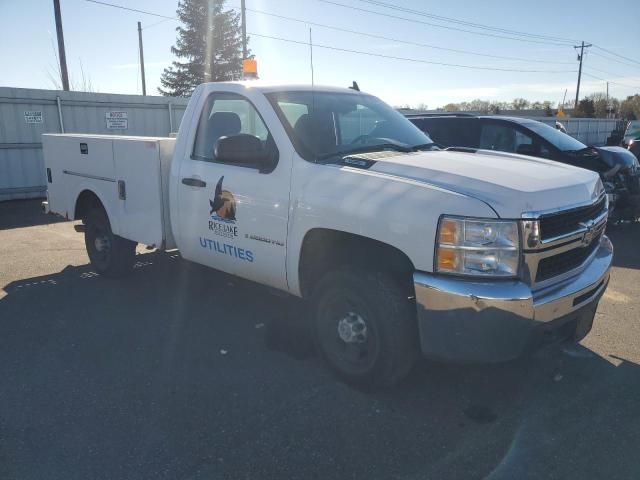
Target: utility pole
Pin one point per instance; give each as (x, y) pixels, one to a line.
(311, 56)
(144, 83)
(581, 47)
(61, 53)
(243, 14)
(243, 11)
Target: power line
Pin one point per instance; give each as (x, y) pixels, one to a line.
(375, 2)
(413, 20)
(611, 81)
(617, 55)
(414, 60)
(603, 71)
(466, 23)
(624, 85)
(329, 47)
(595, 76)
(131, 9)
(611, 59)
(353, 51)
(145, 12)
(159, 22)
(406, 42)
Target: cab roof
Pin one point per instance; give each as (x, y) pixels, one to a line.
(266, 87)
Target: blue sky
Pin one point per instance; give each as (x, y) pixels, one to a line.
(104, 41)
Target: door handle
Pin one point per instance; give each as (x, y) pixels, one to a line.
(194, 182)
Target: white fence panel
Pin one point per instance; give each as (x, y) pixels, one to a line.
(590, 131)
(25, 114)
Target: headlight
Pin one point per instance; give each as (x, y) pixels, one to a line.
(477, 247)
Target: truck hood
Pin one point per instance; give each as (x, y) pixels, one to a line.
(510, 184)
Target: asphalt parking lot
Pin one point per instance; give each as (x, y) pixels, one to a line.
(179, 372)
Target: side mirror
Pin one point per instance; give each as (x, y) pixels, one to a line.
(241, 149)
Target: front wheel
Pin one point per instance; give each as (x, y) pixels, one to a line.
(365, 327)
(111, 255)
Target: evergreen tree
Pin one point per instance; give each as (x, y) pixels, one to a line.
(210, 43)
(586, 108)
(548, 111)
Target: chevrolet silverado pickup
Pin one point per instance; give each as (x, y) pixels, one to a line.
(331, 195)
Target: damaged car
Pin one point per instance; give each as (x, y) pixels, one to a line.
(618, 167)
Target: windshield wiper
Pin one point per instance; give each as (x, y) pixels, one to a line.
(366, 149)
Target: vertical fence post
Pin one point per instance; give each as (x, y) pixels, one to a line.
(587, 138)
(59, 103)
(170, 117)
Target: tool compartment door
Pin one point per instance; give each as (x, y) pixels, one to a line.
(76, 162)
(140, 205)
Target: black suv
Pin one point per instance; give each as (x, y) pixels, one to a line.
(617, 167)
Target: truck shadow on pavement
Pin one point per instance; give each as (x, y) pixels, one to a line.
(178, 372)
(24, 213)
(626, 244)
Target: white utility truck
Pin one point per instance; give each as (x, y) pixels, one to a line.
(331, 195)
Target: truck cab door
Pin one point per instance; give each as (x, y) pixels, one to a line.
(233, 217)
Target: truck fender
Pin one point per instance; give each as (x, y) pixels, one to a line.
(101, 193)
(325, 249)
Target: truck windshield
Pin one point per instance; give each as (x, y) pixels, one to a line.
(560, 140)
(324, 124)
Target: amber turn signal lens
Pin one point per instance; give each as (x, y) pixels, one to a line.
(448, 230)
(447, 259)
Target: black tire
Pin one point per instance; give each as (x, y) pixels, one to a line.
(383, 353)
(110, 255)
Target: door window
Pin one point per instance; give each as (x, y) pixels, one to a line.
(227, 114)
(507, 138)
(522, 139)
(454, 132)
(525, 144)
(494, 136)
(293, 111)
(544, 151)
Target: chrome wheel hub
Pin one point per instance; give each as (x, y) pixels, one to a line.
(352, 329)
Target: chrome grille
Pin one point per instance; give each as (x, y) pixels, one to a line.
(555, 265)
(561, 223)
(557, 243)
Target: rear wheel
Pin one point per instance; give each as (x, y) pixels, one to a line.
(110, 255)
(365, 327)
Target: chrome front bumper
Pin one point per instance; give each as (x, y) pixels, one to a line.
(474, 320)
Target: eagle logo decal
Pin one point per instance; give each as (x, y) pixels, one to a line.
(223, 204)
